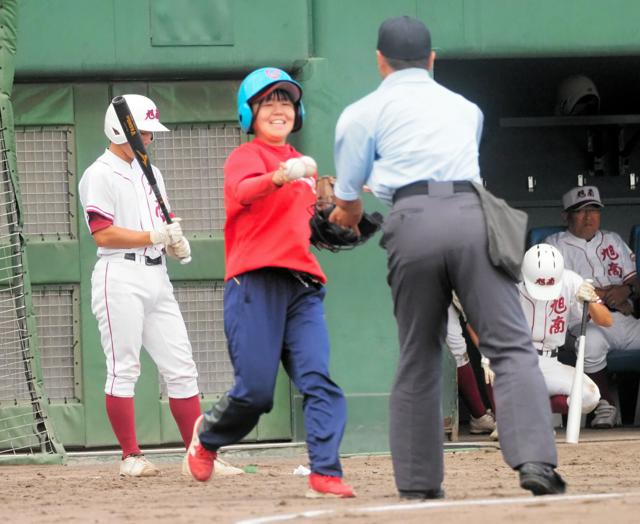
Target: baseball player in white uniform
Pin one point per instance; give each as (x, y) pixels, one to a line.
(605, 258)
(552, 297)
(132, 297)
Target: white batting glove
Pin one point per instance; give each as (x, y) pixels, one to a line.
(587, 293)
(489, 375)
(167, 234)
(181, 249)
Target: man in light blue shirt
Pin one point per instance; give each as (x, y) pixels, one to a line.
(415, 144)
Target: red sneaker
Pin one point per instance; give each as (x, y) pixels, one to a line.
(199, 460)
(326, 486)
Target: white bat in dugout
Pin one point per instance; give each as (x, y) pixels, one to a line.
(575, 399)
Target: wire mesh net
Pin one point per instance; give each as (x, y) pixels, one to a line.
(22, 420)
(45, 180)
(202, 311)
(191, 159)
(53, 307)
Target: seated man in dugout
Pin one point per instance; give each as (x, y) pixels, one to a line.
(607, 260)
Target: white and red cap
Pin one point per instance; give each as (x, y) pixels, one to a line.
(580, 197)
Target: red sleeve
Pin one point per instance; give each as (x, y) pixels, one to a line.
(98, 222)
(248, 177)
(250, 189)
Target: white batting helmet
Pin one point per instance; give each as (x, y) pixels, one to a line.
(145, 113)
(542, 269)
(577, 95)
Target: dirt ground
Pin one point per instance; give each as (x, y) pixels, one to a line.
(479, 488)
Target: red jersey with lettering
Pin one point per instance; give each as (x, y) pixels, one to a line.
(272, 229)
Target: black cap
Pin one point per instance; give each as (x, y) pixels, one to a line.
(404, 38)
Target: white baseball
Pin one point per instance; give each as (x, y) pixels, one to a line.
(310, 163)
(295, 168)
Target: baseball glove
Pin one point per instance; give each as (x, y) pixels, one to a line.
(327, 235)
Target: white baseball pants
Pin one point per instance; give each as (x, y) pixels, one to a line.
(135, 306)
(559, 378)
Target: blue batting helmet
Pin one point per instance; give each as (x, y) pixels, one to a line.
(258, 83)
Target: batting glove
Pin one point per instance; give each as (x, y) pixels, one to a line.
(489, 375)
(180, 249)
(167, 234)
(587, 293)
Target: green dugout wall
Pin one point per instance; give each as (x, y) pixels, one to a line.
(189, 56)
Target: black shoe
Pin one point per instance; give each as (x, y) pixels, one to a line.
(422, 495)
(541, 479)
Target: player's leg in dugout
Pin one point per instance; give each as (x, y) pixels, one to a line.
(558, 378)
(306, 360)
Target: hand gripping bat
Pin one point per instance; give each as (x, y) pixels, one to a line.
(575, 399)
(140, 152)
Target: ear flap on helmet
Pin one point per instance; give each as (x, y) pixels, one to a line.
(297, 124)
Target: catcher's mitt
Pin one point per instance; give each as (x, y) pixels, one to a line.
(327, 235)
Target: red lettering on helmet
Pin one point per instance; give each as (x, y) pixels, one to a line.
(272, 73)
(152, 114)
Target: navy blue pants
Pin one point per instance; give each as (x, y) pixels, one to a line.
(271, 316)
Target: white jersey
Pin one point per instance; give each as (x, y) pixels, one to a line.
(455, 339)
(605, 258)
(549, 320)
(119, 192)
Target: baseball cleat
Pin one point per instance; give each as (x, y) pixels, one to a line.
(221, 467)
(137, 466)
(484, 424)
(199, 461)
(605, 415)
(327, 486)
(541, 479)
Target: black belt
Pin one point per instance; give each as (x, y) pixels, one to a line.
(147, 260)
(422, 188)
(306, 279)
(551, 353)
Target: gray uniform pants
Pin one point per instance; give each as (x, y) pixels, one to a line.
(436, 243)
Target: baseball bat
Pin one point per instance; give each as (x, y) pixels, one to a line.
(575, 399)
(134, 139)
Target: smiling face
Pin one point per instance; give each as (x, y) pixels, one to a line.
(274, 117)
